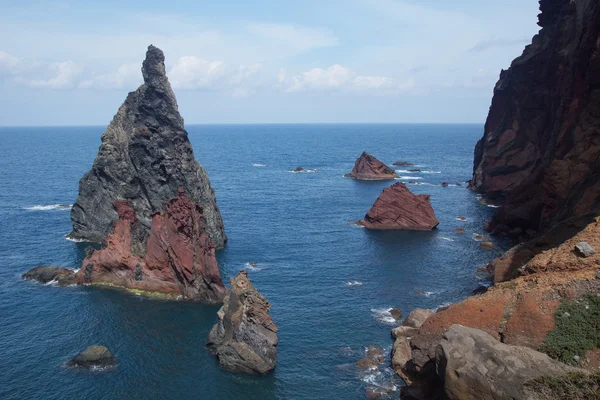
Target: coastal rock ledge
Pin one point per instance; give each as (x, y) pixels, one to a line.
(245, 337)
(397, 208)
(369, 168)
(145, 156)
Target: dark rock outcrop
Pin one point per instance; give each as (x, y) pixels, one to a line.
(93, 357)
(541, 147)
(403, 164)
(397, 208)
(47, 273)
(179, 261)
(369, 168)
(145, 156)
(245, 337)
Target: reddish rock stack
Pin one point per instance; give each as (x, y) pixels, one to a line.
(540, 149)
(398, 208)
(368, 167)
(179, 261)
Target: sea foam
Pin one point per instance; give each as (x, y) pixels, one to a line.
(48, 207)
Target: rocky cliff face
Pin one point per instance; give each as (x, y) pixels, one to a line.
(541, 147)
(368, 167)
(245, 337)
(180, 258)
(145, 156)
(398, 208)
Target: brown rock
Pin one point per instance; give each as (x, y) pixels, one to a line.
(245, 337)
(486, 245)
(398, 208)
(396, 314)
(417, 317)
(459, 230)
(179, 261)
(368, 167)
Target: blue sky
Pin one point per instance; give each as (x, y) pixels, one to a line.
(73, 62)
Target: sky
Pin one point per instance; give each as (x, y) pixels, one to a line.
(72, 62)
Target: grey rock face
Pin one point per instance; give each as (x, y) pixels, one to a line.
(145, 157)
(47, 273)
(585, 249)
(245, 337)
(475, 366)
(93, 357)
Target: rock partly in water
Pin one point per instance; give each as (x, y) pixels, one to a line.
(144, 158)
(180, 258)
(368, 167)
(398, 208)
(245, 337)
(445, 184)
(540, 150)
(487, 245)
(459, 230)
(585, 249)
(396, 314)
(48, 273)
(94, 357)
(403, 164)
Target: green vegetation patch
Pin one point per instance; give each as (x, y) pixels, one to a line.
(573, 386)
(577, 329)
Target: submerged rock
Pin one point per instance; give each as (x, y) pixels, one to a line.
(145, 156)
(403, 164)
(299, 169)
(245, 337)
(47, 273)
(179, 261)
(398, 208)
(368, 167)
(93, 357)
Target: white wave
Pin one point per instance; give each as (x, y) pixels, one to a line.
(75, 240)
(462, 219)
(354, 283)
(416, 178)
(429, 294)
(446, 239)
(431, 172)
(304, 171)
(48, 207)
(493, 206)
(479, 238)
(416, 183)
(258, 165)
(384, 316)
(252, 266)
(441, 306)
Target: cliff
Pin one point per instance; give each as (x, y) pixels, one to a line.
(541, 148)
(144, 158)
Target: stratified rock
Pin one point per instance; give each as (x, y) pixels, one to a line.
(144, 158)
(245, 337)
(368, 167)
(540, 149)
(47, 273)
(475, 366)
(398, 208)
(180, 258)
(93, 357)
(585, 249)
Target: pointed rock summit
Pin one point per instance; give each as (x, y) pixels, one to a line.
(144, 158)
(397, 208)
(368, 167)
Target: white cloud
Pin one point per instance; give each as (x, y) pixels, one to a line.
(61, 75)
(127, 76)
(39, 74)
(8, 64)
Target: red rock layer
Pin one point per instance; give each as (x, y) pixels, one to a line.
(368, 167)
(541, 147)
(398, 208)
(179, 260)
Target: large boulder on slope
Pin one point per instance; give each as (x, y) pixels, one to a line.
(397, 208)
(244, 339)
(144, 158)
(369, 168)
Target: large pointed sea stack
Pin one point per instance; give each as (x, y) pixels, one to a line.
(541, 146)
(145, 156)
(245, 337)
(397, 208)
(369, 168)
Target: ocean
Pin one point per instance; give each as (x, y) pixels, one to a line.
(330, 284)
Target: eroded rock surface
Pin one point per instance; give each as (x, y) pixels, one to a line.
(368, 167)
(47, 273)
(94, 357)
(179, 261)
(245, 337)
(540, 149)
(144, 158)
(398, 208)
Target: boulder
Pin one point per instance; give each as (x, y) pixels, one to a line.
(475, 366)
(486, 245)
(144, 158)
(585, 249)
(93, 357)
(397, 208)
(368, 167)
(47, 273)
(180, 258)
(417, 317)
(245, 337)
(396, 314)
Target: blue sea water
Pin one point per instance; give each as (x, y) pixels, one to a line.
(330, 283)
